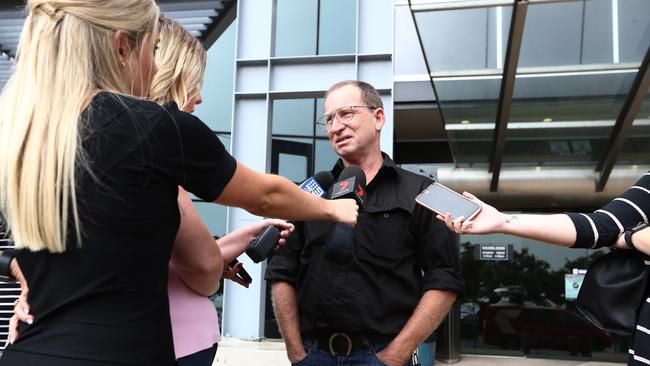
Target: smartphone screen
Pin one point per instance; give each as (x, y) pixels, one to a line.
(441, 200)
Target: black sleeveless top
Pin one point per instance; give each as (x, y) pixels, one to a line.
(105, 302)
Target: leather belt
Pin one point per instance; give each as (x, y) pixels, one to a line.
(341, 343)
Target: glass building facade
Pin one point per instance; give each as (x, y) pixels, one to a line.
(440, 67)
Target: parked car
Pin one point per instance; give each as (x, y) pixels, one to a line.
(518, 326)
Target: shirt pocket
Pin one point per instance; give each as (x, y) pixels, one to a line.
(383, 235)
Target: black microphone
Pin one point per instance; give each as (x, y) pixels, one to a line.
(340, 240)
(318, 184)
(351, 184)
(260, 247)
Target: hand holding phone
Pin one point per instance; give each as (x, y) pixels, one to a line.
(441, 200)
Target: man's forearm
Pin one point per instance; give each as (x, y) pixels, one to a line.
(430, 312)
(285, 306)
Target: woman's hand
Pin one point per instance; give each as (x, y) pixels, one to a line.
(488, 220)
(21, 307)
(233, 244)
(344, 210)
(641, 240)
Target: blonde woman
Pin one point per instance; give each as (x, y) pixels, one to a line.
(181, 61)
(89, 178)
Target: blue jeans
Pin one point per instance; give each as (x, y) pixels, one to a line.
(320, 356)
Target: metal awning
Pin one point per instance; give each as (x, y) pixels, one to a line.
(205, 19)
(539, 83)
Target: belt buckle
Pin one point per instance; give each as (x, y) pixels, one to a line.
(331, 344)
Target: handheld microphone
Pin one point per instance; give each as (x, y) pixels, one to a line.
(340, 240)
(260, 247)
(318, 184)
(351, 184)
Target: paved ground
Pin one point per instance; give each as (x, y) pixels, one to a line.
(271, 353)
(517, 361)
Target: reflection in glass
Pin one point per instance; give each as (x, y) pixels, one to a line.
(564, 119)
(467, 40)
(637, 147)
(509, 306)
(469, 108)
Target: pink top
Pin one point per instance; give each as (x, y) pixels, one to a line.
(195, 324)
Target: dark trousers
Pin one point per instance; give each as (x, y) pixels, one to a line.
(200, 358)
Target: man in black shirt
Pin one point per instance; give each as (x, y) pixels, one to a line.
(404, 273)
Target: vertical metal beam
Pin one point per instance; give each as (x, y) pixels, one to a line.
(507, 88)
(624, 122)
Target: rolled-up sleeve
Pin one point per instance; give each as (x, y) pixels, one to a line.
(438, 254)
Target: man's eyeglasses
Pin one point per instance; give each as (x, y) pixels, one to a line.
(343, 115)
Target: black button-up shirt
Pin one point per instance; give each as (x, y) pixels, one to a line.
(400, 251)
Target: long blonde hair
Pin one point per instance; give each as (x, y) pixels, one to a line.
(66, 53)
(181, 61)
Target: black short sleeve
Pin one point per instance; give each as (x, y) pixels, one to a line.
(192, 154)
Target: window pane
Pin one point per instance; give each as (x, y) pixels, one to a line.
(469, 108)
(295, 27)
(338, 21)
(597, 37)
(293, 157)
(454, 39)
(319, 112)
(508, 305)
(217, 92)
(293, 167)
(552, 35)
(293, 117)
(634, 29)
(214, 217)
(636, 149)
(325, 156)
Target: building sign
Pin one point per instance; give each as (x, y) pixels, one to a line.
(493, 252)
(572, 283)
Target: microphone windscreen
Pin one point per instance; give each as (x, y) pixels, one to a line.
(325, 179)
(356, 172)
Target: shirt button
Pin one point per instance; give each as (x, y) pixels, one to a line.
(386, 215)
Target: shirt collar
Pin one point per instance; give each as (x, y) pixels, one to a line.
(391, 193)
(388, 164)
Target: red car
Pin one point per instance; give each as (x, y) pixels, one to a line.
(519, 326)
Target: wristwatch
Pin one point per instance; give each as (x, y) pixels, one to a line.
(628, 234)
(5, 265)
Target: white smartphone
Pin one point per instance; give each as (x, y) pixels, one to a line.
(441, 200)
